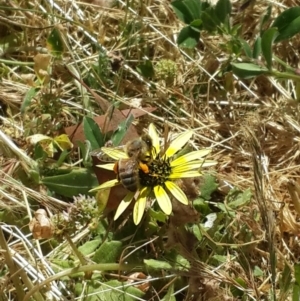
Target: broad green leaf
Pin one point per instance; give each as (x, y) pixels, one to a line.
(208, 187)
(89, 247)
(187, 10)
(288, 32)
(223, 10)
(209, 20)
(248, 70)
(196, 25)
(157, 264)
(267, 40)
(146, 69)
(188, 38)
(119, 134)
(108, 252)
(30, 94)
(287, 23)
(55, 43)
(286, 17)
(78, 181)
(201, 206)
(93, 133)
(237, 198)
(257, 48)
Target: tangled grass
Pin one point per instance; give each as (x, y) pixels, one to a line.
(127, 53)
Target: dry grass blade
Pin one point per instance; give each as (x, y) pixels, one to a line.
(261, 182)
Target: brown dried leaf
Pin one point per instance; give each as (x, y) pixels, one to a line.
(41, 226)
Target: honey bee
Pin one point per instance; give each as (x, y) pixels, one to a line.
(139, 152)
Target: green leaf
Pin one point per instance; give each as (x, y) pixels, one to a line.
(257, 48)
(146, 69)
(62, 158)
(267, 40)
(285, 18)
(223, 10)
(8, 42)
(111, 290)
(188, 38)
(221, 258)
(246, 48)
(237, 198)
(209, 20)
(119, 134)
(265, 18)
(285, 281)
(169, 296)
(89, 247)
(287, 23)
(209, 186)
(157, 264)
(292, 29)
(109, 251)
(55, 43)
(296, 292)
(196, 25)
(236, 292)
(297, 273)
(30, 94)
(201, 206)
(62, 264)
(78, 181)
(93, 133)
(248, 70)
(257, 272)
(187, 10)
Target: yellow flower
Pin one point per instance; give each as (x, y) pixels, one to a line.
(164, 170)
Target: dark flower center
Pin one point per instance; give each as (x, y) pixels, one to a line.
(159, 171)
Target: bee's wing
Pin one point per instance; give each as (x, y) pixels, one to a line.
(114, 153)
(108, 154)
(129, 164)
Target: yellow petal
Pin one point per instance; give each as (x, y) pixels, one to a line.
(139, 206)
(177, 192)
(114, 153)
(178, 143)
(188, 174)
(188, 166)
(190, 157)
(209, 163)
(124, 204)
(109, 166)
(163, 199)
(102, 198)
(155, 138)
(105, 185)
(63, 142)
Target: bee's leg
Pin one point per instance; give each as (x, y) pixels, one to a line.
(144, 167)
(116, 169)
